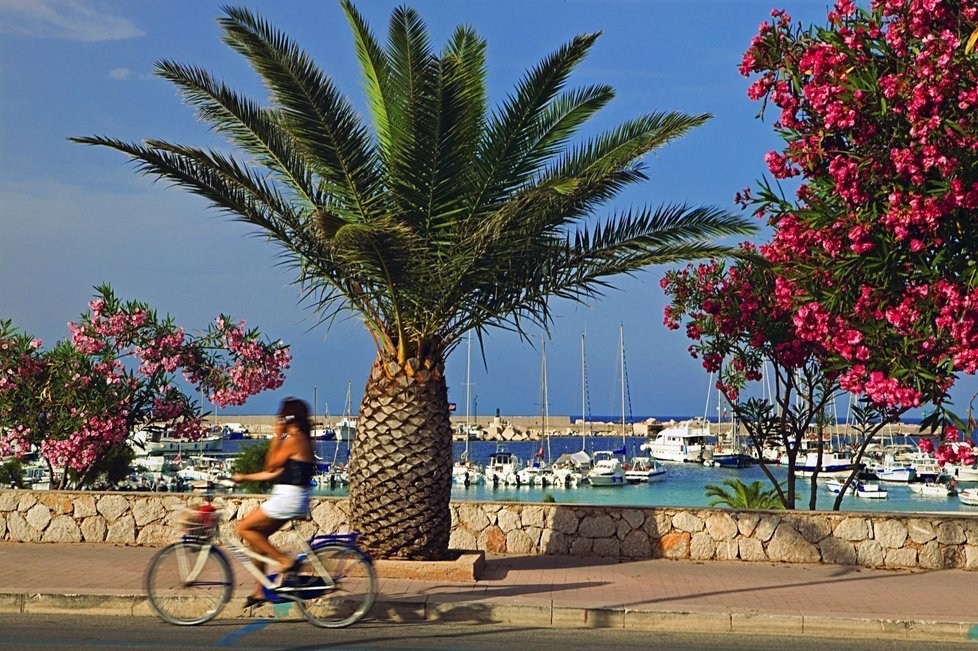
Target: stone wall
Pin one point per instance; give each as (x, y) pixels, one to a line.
(895, 540)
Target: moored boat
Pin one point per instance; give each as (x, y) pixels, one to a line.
(969, 496)
(607, 470)
(644, 470)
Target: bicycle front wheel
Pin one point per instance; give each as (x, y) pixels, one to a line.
(188, 583)
(337, 586)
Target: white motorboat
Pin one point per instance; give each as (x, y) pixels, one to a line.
(901, 474)
(835, 486)
(969, 496)
(962, 473)
(680, 442)
(607, 470)
(933, 489)
(871, 491)
(569, 470)
(466, 473)
(502, 467)
(537, 474)
(644, 470)
(833, 465)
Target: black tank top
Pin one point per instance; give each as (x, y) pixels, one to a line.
(297, 473)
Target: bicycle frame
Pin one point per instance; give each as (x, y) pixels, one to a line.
(246, 556)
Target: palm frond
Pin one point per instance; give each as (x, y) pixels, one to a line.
(320, 120)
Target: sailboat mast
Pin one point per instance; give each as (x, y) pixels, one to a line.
(621, 338)
(583, 397)
(468, 391)
(546, 403)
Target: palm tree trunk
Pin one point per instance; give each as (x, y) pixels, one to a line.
(401, 465)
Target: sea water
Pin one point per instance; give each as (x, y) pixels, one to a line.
(684, 484)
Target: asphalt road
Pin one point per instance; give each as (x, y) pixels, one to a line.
(57, 633)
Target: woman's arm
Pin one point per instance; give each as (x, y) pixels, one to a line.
(264, 475)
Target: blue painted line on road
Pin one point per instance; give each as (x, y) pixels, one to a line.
(231, 639)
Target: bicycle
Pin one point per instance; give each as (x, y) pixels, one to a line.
(190, 581)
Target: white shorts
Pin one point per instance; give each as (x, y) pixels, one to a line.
(287, 502)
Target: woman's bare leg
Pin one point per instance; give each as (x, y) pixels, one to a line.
(255, 528)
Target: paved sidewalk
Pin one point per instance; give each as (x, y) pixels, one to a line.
(738, 597)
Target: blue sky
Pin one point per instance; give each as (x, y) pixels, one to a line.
(72, 217)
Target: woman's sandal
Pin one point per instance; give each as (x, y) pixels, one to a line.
(252, 600)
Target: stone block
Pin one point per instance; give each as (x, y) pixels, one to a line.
(634, 517)
(492, 539)
(147, 510)
(921, 531)
(686, 521)
(701, 546)
(518, 542)
(950, 533)
(112, 507)
(813, 528)
(658, 524)
(904, 557)
(508, 520)
(788, 546)
(931, 556)
(650, 620)
(674, 545)
(157, 535)
(581, 547)
(26, 501)
(38, 516)
(58, 503)
(19, 531)
(84, 507)
(837, 551)
(890, 533)
(564, 520)
(596, 526)
(721, 526)
(971, 557)
(554, 543)
(8, 500)
(751, 549)
(747, 522)
(473, 517)
(756, 623)
(3, 525)
(869, 553)
(853, 529)
(93, 529)
(329, 518)
(462, 538)
(766, 527)
(62, 529)
(636, 545)
(606, 548)
(727, 550)
(533, 516)
(122, 531)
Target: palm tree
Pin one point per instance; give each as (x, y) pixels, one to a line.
(738, 495)
(445, 217)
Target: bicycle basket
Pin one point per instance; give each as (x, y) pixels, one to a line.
(197, 523)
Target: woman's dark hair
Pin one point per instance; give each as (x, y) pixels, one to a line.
(293, 409)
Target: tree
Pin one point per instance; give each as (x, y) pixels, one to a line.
(876, 250)
(738, 495)
(80, 401)
(446, 217)
(250, 460)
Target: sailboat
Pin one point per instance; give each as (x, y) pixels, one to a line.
(608, 469)
(569, 469)
(537, 471)
(464, 471)
(726, 452)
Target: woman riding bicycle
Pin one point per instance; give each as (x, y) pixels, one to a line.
(290, 464)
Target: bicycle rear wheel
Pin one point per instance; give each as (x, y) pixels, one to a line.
(188, 583)
(337, 586)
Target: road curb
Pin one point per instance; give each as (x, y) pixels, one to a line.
(417, 609)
